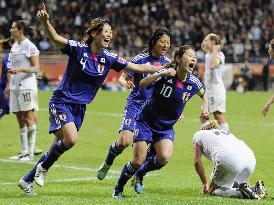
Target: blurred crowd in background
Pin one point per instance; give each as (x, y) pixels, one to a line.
(246, 26)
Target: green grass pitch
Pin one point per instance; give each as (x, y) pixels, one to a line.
(73, 178)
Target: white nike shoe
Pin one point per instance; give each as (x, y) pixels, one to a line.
(40, 175)
(26, 187)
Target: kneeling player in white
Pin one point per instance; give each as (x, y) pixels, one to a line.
(234, 162)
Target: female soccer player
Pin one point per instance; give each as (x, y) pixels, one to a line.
(158, 46)
(22, 86)
(154, 124)
(215, 89)
(271, 99)
(233, 161)
(88, 65)
(4, 102)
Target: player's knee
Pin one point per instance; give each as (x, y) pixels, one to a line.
(137, 162)
(125, 140)
(69, 143)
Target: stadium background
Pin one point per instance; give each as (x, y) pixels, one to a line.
(246, 27)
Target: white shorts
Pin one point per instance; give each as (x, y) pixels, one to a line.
(231, 170)
(23, 100)
(217, 102)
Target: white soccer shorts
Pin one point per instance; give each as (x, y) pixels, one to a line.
(233, 169)
(23, 100)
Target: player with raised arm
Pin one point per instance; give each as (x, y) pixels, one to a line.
(271, 99)
(88, 64)
(154, 124)
(233, 161)
(158, 46)
(21, 89)
(215, 89)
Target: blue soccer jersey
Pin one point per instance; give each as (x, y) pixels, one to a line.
(138, 96)
(4, 79)
(85, 72)
(168, 101)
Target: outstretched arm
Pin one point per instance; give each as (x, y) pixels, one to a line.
(142, 68)
(268, 105)
(54, 37)
(124, 80)
(151, 78)
(197, 151)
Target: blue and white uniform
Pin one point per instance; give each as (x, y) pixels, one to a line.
(155, 122)
(139, 96)
(4, 103)
(84, 76)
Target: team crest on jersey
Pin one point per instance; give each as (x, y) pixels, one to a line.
(103, 60)
(100, 68)
(63, 117)
(189, 87)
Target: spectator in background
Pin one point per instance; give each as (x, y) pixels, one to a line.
(242, 18)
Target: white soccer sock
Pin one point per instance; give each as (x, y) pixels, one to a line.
(224, 126)
(24, 140)
(227, 192)
(31, 139)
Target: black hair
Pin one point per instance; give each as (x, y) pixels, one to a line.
(156, 35)
(181, 50)
(25, 27)
(6, 44)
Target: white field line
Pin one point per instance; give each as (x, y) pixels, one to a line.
(61, 166)
(66, 180)
(112, 172)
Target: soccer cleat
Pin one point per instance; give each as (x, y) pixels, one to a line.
(26, 158)
(247, 192)
(16, 157)
(259, 188)
(118, 194)
(37, 151)
(26, 187)
(138, 184)
(102, 171)
(40, 175)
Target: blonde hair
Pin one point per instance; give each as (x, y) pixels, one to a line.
(209, 125)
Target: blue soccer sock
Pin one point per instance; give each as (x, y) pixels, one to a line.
(112, 153)
(150, 164)
(127, 172)
(55, 152)
(30, 176)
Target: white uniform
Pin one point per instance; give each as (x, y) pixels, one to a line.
(214, 85)
(23, 86)
(233, 160)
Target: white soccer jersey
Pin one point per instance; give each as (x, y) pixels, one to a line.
(20, 57)
(221, 146)
(213, 77)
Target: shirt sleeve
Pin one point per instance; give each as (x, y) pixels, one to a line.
(119, 63)
(221, 56)
(32, 50)
(200, 88)
(197, 138)
(72, 48)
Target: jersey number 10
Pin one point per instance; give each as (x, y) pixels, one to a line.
(166, 91)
